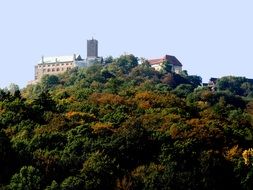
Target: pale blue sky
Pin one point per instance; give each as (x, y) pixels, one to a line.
(211, 38)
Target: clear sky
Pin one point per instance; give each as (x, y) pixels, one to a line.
(212, 38)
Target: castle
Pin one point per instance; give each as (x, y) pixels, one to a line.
(59, 64)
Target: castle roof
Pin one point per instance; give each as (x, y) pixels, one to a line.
(59, 59)
(171, 59)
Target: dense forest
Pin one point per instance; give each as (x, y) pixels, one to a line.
(123, 125)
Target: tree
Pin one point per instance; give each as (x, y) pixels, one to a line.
(28, 178)
(49, 81)
(166, 67)
(108, 60)
(54, 186)
(7, 163)
(126, 63)
(44, 102)
(72, 183)
(183, 90)
(194, 80)
(98, 171)
(13, 89)
(235, 85)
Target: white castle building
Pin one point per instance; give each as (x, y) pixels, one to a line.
(60, 64)
(57, 65)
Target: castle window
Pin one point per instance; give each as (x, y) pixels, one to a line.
(48, 70)
(53, 70)
(57, 69)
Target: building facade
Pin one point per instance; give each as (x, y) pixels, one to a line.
(176, 66)
(60, 64)
(57, 65)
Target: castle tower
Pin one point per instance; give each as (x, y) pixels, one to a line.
(92, 48)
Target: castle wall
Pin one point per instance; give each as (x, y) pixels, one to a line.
(52, 68)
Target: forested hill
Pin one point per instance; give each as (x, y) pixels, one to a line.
(126, 126)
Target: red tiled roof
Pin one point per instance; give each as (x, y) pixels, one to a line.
(171, 59)
(155, 61)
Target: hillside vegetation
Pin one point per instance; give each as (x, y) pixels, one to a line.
(125, 126)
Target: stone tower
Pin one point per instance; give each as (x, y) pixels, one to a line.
(92, 48)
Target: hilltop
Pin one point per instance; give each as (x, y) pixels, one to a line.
(124, 125)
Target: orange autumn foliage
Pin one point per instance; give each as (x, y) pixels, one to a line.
(106, 98)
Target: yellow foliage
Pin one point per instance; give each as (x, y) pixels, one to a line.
(196, 122)
(202, 105)
(174, 131)
(232, 153)
(145, 105)
(169, 120)
(71, 99)
(10, 131)
(148, 99)
(142, 172)
(206, 95)
(2, 111)
(248, 156)
(80, 117)
(97, 127)
(145, 96)
(106, 98)
(72, 114)
(124, 184)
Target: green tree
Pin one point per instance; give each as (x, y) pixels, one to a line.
(72, 183)
(49, 81)
(43, 102)
(127, 62)
(108, 60)
(183, 90)
(166, 67)
(98, 171)
(235, 85)
(54, 186)
(28, 178)
(194, 80)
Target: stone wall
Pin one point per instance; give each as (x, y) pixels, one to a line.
(52, 68)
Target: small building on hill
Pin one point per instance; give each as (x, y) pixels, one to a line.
(175, 63)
